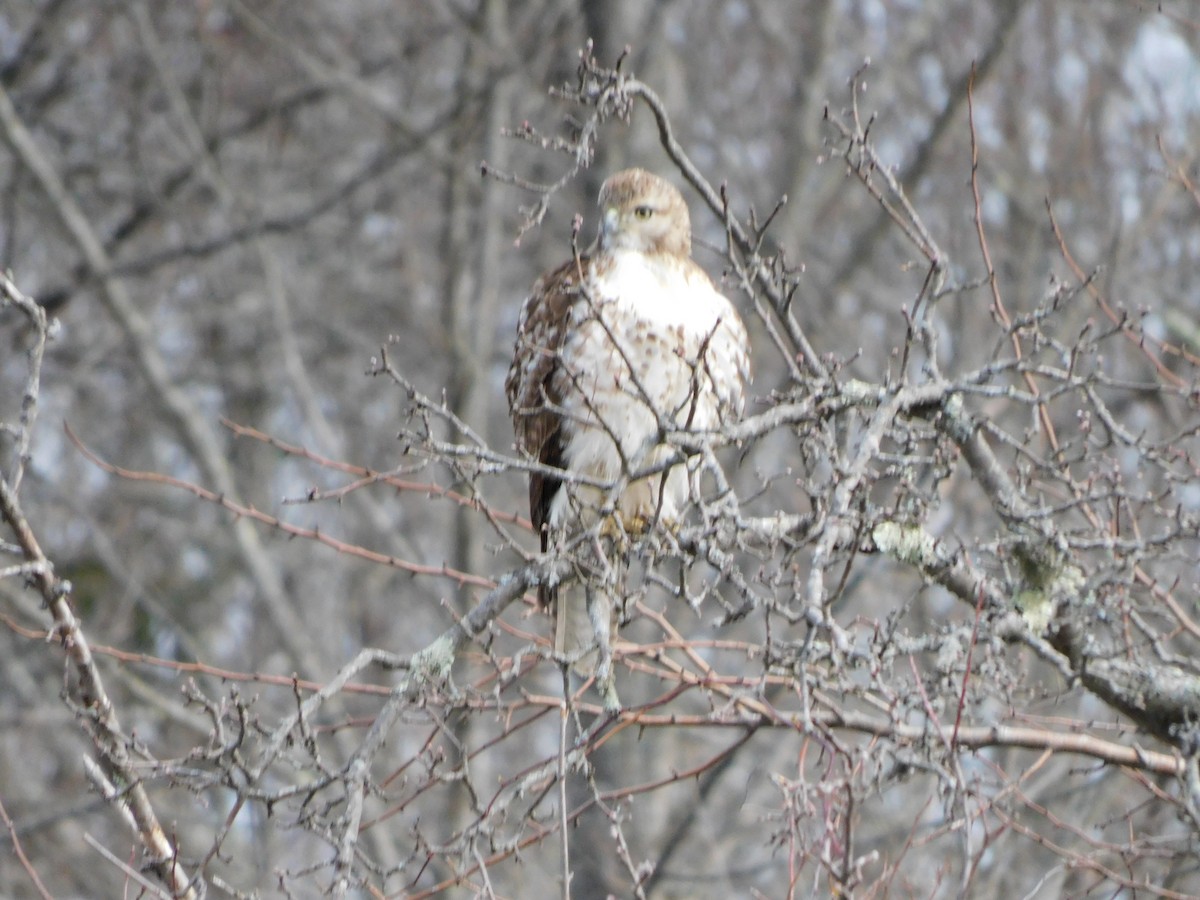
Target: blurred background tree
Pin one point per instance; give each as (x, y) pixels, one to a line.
(954, 626)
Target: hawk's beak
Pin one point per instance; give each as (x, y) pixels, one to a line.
(608, 226)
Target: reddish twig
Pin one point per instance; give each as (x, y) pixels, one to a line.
(20, 852)
(249, 512)
(998, 307)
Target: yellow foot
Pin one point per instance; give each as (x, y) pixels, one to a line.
(636, 524)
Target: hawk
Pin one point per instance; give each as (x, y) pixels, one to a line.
(616, 348)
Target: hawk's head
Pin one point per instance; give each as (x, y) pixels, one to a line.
(644, 212)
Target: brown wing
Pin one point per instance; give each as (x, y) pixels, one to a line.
(532, 396)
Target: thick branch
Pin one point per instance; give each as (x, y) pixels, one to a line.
(94, 708)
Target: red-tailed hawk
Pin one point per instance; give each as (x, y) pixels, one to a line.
(614, 349)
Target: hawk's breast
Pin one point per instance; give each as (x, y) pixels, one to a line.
(652, 345)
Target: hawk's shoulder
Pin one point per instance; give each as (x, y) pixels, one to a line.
(541, 329)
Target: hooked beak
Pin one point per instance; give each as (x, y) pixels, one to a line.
(608, 225)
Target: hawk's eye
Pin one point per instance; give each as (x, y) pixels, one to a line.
(643, 212)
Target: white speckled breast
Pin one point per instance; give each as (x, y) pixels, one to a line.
(654, 347)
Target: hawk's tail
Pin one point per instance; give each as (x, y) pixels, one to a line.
(576, 627)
